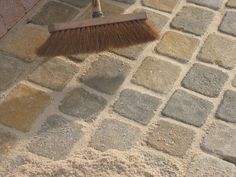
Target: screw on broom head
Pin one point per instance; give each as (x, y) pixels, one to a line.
(98, 34)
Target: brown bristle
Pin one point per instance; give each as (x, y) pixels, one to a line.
(95, 39)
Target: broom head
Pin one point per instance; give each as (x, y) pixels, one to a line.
(97, 35)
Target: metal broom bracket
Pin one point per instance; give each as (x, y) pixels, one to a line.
(96, 8)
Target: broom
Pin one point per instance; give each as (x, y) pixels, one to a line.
(97, 34)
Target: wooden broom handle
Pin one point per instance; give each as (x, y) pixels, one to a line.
(96, 8)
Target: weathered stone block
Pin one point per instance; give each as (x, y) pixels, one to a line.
(213, 4)
(228, 24)
(163, 5)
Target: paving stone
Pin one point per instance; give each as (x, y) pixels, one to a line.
(80, 3)
(56, 138)
(24, 42)
(193, 20)
(3, 29)
(136, 106)
(28, 4)
(79, 58)
(127, 1)
(234, 82)
(227, 108)
(113, 134)
(228, 24)
(22, 106)
(188, 108)
(177, 46)
(54, 12)
(205, 80)
(170, 138)
(163, 5)
(157, 75)
(7, 142)
(82, 104)
(213, 4)
(10, 70)
(220, 140)
(133, 52)
(205, 165)
(231, 3)
(106, 74)
(54, 74)
(108, 9)
(11, 11)
(219, 50)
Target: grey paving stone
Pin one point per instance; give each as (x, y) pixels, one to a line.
(82, 104)
(54, 74)
(170, 138)
(178, 46)
(56, 138)
(227, 108)
(219, 50)
(220, 140)
(157, 75)
(231, 3)
(205, 80)
(228, 24)
(136, 106)
(113, 134)
(10, 70)
(80, 3)
(193, 20)
(106, 74)
(163, 5)
(214, 4)
(54, 12)
(7, 143)
(188, 108)
(205, 165)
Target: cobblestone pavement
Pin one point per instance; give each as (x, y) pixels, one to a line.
(172, 101)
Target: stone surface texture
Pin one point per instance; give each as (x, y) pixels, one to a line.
(219, 50)
(24, 42)
(220, 140)
(177, 46)
(205, 80)
(80, 4)
(227, 108)
(205, 165)
(163, 5)
(54, 74)
(170, 138)
(3, 29)
(106, 74)
(157, 75)
(214, 4)
(231, 3)
(113, 134)
(22, 107)
(193, 20)
(7, 142)
(56, 138)
(188, 108)
(54, 12)
(136, 106)
(228, 24)
(82, 104)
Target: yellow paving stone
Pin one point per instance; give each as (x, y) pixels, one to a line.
(22, 106)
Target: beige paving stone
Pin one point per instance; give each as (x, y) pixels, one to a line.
(231, 3)
(22, 106)
(219, 50)
(178, 46)
(163, 5)
(157, 75)
(24, 42)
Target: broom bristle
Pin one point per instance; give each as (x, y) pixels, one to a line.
(95, 39)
